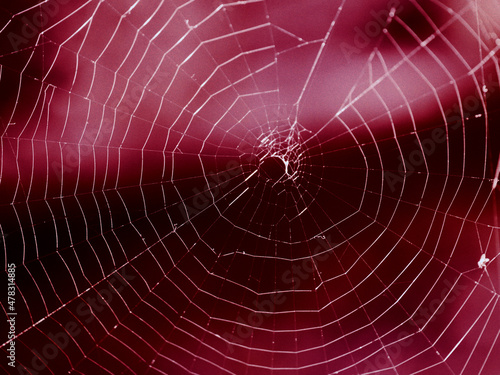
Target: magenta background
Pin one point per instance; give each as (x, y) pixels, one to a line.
(136, 136)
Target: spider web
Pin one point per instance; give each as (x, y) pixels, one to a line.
(251, 187)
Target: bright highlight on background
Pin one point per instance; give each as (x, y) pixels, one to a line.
(250, 187)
